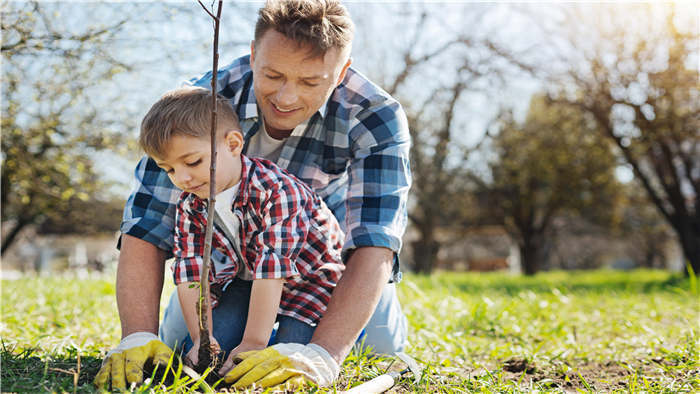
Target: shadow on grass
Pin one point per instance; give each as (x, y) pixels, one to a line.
(33, 370)
(25, 372)
(599, 281)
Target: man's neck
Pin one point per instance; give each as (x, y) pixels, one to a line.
(277, 133)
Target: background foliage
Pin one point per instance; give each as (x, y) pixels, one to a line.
(73, 95)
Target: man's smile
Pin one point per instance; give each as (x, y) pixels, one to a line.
(284, 111)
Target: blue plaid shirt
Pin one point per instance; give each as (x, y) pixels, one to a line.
(353, 153)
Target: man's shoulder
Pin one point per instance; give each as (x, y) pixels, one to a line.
(230, 77)
(359, 92)
(360, 102)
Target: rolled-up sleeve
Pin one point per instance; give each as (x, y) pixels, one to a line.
(149, 213)
(379, 179)
(189, 244)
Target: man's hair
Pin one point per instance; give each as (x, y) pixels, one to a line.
(184, 111)
(320, 24)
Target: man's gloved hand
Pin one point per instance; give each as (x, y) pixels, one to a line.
(287, 365)
(125, 362)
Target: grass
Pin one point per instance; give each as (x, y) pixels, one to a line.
(487, 332)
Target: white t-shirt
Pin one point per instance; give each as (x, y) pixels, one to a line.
(224, 202)
(263, 146)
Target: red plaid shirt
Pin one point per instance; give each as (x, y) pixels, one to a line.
(286, 232)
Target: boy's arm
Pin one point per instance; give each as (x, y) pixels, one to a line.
(265, 298)
(189, 295)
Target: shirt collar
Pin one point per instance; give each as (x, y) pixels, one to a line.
(242, 197)
(247, 169)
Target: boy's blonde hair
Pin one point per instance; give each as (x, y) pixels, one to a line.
(320, 24)
(184, 111)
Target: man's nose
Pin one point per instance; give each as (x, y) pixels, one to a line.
(287, 94)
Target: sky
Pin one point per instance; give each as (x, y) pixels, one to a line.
(170, 42)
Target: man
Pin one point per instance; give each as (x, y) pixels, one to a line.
(302, 106)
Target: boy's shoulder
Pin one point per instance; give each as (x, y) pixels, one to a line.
(267, 178)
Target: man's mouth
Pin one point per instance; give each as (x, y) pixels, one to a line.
(283, 110)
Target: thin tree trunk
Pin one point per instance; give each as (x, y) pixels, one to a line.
(425, 251)
(690, 244)
(207, 353)
(531, 254)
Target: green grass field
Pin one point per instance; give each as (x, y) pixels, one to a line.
(597, 331)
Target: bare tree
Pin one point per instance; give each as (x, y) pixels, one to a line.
(432, 77)
(636, 73)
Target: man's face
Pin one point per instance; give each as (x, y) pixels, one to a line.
(187, 164)
(290, 85)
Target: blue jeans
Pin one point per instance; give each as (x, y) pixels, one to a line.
(385, 332)
(229, 320)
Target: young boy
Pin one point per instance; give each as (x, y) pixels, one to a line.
(269, 228)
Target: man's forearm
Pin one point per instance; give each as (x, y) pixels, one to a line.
(354, 300)
(139, 285)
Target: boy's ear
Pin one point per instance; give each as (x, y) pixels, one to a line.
(234, 141)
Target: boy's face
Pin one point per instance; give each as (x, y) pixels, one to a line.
(188, 158)
(289, 85)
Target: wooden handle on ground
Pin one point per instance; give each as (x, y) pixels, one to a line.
(377, 385)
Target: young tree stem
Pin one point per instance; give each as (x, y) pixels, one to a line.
(207, 354)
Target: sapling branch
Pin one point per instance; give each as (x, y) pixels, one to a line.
(207, 352)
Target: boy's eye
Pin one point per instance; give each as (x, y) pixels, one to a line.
(194, 163)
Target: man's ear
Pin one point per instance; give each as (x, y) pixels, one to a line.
(343, 71)
(234, 141)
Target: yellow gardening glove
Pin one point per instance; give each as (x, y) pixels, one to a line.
(287, 365)
(125, 363)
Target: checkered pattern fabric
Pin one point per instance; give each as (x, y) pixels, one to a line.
(354, 155)
(287, 232)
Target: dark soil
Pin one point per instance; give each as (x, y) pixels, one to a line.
(589, 376)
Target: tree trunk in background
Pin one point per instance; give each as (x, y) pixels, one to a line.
(689, 239)
(425, 252)
(531, 253)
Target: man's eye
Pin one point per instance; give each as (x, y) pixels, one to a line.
(272, 76)
(194, 163)
(310, 84)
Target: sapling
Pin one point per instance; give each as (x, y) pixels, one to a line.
(207, 355)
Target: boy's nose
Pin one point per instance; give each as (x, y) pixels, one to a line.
(183, 178)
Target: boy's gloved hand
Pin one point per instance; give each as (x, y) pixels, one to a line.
(125, 362)
(288, 365)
